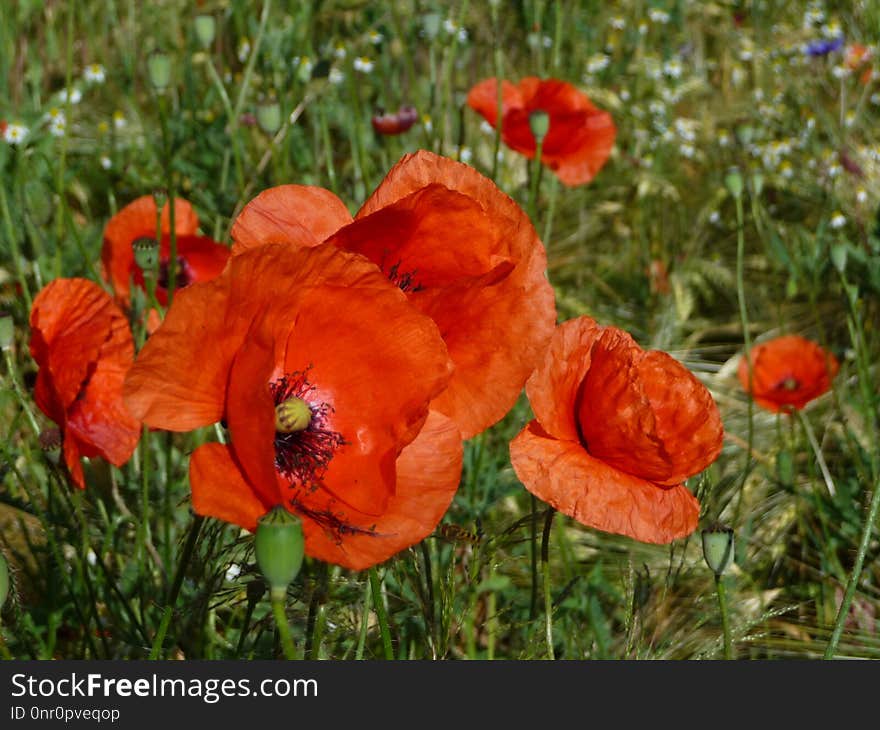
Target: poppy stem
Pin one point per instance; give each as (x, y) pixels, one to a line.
(376, 587)
(499, 80)
(19, 392)
(817, 449)
(13, 247)
(535, 181)
(280, 615)
(747, 340)
(725, 619)
(533, 541)
(545, 569)
(183, 563)
(365, 620)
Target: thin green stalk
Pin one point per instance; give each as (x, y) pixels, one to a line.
(14, 249)
(533, 544)
(62, 158)
(499, 78)
(230, 114)
(817, 450)
(365, 621)
(545, 571)
(183, 563)
(747, 341)
(19, 391)
(535, 180)
(328, 148)
(725, 619)
(551, 210)
(283, 627)
(376, 587)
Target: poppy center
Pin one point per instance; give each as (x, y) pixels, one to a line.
(304, 442)
(404, 280)
(182, 275)
(790, 384)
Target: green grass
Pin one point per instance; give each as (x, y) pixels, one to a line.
(88, 578)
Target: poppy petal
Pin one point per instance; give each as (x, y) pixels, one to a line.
(596, 494)
(483, 99)
(428, 473)
(203, 257)
(300, 214)
(553, 390)
(220, 490)
(643, 412)
(178, 381)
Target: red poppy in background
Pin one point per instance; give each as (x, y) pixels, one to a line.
(83, 346)
(464, 253)
(199, 258)
(395, 123)
(788, 372)
(368, 469)
(617, 431)
(580, 136)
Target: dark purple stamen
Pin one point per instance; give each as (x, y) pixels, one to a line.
(332, 523)
(183, 276)
(405, 281)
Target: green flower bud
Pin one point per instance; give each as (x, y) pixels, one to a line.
(269, 116)
(146, 254)
(838, 256)
(292, 415)
(159, 70)
(7, 332)
(431, 25)
(279, 547)
(206, 28)
(718, 547)
(539, 123)
(4, 580)
(745, 133)
(757, 183)
(734, 182)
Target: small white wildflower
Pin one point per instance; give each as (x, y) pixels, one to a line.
(686, 129)
(838, 220)
(119, 120)
(335, 76)
(653, 68)
(597, 62)
(624, 95)
(53, 115)
(723, 138)
(462, 35)
(687, 150)
(737, 76)
(375, 37)
(339, 51)
(58, 127)
(714, 218)
(673, 68)
(232, 572)
(875, 98)
(618, 22)
(75, 96)
(746, 54)
(465, 154)
(758, 95)
(832, 29)
(547, 41)
(658, 16)
(850, 118)
(91, 558)
(861, 195)
(94, 74)
(363, 64)
(643, 28)
(450, 26)
(426, 123)
(840, 71)
(244, 49)
(786, 170)
(671, 96)
(637, 111)
(106, 162)
(657, 108)
(834, 171)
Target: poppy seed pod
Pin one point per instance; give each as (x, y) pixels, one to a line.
(292, 415)
(4, 580)
(269, 116)
(159, 70)
(733, 182)
(279, 547)
(206, 28)
(146, 254)
(539, 123)
(7, 332)
(718, 548)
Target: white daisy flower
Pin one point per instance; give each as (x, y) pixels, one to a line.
(838, 220)
(363, 64)
(94, 74)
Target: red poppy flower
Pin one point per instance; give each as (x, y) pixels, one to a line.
(617, 431)
(198, 258)
(788, 372)
(464, 253)
(83, 346)
(580, 136)
(395, 123)
(324, 374)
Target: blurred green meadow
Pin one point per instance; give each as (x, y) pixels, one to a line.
(706, 97)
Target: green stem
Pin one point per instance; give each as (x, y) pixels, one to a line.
(551, 210)
(747, 341)
(182, 565)
(533, 544)
(13, 246)
(376, 587)
(811, 437)
(856, 573)
(545, 570)
(283, 626)
(62, 161)
(19, 392)
(499, 79)
(535, 180)
(230, 115)
(365, 620)
(725, 619)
